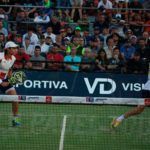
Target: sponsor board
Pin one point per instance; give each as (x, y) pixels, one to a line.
(48, 99)
(147, 101)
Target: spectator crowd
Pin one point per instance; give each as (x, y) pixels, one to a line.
(78, 35)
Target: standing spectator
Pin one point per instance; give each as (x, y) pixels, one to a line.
(37, 57)
(3, 30)
(76, 4)
(101, 61)
(32, 36)
(73, 58)
(49, 32)
(55, 57)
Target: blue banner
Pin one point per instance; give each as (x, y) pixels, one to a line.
(82, 84)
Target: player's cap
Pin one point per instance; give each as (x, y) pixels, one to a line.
(10, 44)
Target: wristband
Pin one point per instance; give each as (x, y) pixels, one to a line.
(1, 81)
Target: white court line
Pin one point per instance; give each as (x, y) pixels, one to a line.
(61, 144)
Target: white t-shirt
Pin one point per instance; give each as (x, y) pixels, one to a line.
(126, 1)
(108, 4)
(5, 65)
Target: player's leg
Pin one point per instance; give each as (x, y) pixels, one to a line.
(15, 106)
(135, 111)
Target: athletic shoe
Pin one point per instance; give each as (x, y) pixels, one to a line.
(16, 122)
(115, 123)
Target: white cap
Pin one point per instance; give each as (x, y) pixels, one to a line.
(10, 44)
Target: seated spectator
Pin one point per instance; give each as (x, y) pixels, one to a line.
(147, 22)
(44, 46)
(135, 4)
(54, 56)
(29, 48)
(59, 42)
(22, 59)
(101, 22)
(31, 35)
(77, 32)
(136, 24)
(84, 22)
(2, 42)
(29, 10)
(49, 32)
(128, 34)
(101, 61)
(37, 57)
(72, 58)
(109, 48)
(80, 46)
(55, 24)
(16, 37)
(143, 50)
(134, 41)
(21, 20)
(116, 62)
(39, 31)
(95, 45)
(41, 17)
(3, 30)
(104, 35)
(105, 4)
(127, 50)
(87, 37)
(122, 6)
(136, 64)
(146, 36)
(87, 59)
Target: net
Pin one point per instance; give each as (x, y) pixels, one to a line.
(49, 124)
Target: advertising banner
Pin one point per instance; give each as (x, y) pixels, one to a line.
(46, 83)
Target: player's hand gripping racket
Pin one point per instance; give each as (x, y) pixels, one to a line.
(17, 77)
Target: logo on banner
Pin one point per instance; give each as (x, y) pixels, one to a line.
(22, 97)
(100, 82)
(147, 101)
(48, 99)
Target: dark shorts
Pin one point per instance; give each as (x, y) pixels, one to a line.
(146, 93)
(4, 89)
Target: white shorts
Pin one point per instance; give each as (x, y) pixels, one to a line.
(76, 2)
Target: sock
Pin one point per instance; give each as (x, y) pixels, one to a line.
(120, 118)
